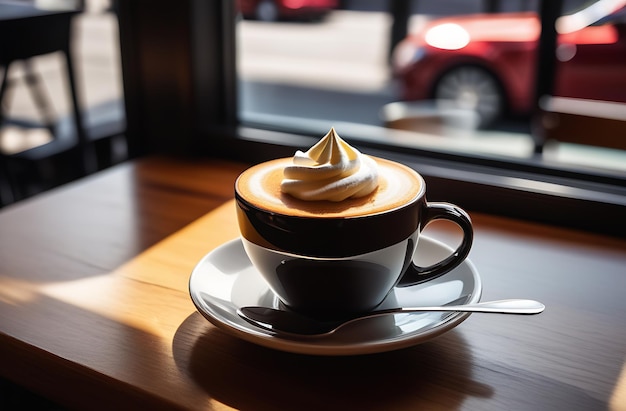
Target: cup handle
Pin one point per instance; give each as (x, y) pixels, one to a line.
(437, 211)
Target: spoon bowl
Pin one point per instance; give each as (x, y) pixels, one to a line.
(294, 324)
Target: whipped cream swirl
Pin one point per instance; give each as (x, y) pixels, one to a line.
(330, 170)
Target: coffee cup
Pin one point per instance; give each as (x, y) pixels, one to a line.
(337, 259)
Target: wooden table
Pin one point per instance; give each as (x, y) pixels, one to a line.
(95, 311)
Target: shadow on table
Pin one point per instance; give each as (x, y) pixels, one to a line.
(246, 376)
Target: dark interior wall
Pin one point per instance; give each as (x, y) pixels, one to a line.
(178, 71)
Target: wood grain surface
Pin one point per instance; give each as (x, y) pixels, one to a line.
(95, 311)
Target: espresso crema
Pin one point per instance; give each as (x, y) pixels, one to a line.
(398, 185)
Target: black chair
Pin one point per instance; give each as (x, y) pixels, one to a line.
(26, 32)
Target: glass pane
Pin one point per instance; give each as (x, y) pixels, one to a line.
(589, 104)
(461, 80)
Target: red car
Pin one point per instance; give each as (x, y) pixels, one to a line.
(486, 62)
(273, 10)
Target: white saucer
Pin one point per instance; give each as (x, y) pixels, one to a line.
(225, 280)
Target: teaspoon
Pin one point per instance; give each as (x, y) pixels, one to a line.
(294, 324)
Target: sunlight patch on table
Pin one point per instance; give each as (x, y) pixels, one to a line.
(153, 309)
(16, 292)
(618, 399)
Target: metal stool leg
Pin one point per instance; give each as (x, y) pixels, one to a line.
(34, 83)
(87, 150)
(3, 88)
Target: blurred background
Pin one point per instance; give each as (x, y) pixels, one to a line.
(456, 76)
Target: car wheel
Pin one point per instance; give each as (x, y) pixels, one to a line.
(471, 88)
(267, 10)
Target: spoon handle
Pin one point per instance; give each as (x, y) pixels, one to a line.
(511, 306)
(294, 324)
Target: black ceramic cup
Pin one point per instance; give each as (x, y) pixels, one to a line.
(328, 266)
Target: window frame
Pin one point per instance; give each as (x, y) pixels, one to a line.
(187, 105)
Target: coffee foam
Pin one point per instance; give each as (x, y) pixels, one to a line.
(397, 185)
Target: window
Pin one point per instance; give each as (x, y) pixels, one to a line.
(460, 81)
(287, 97)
